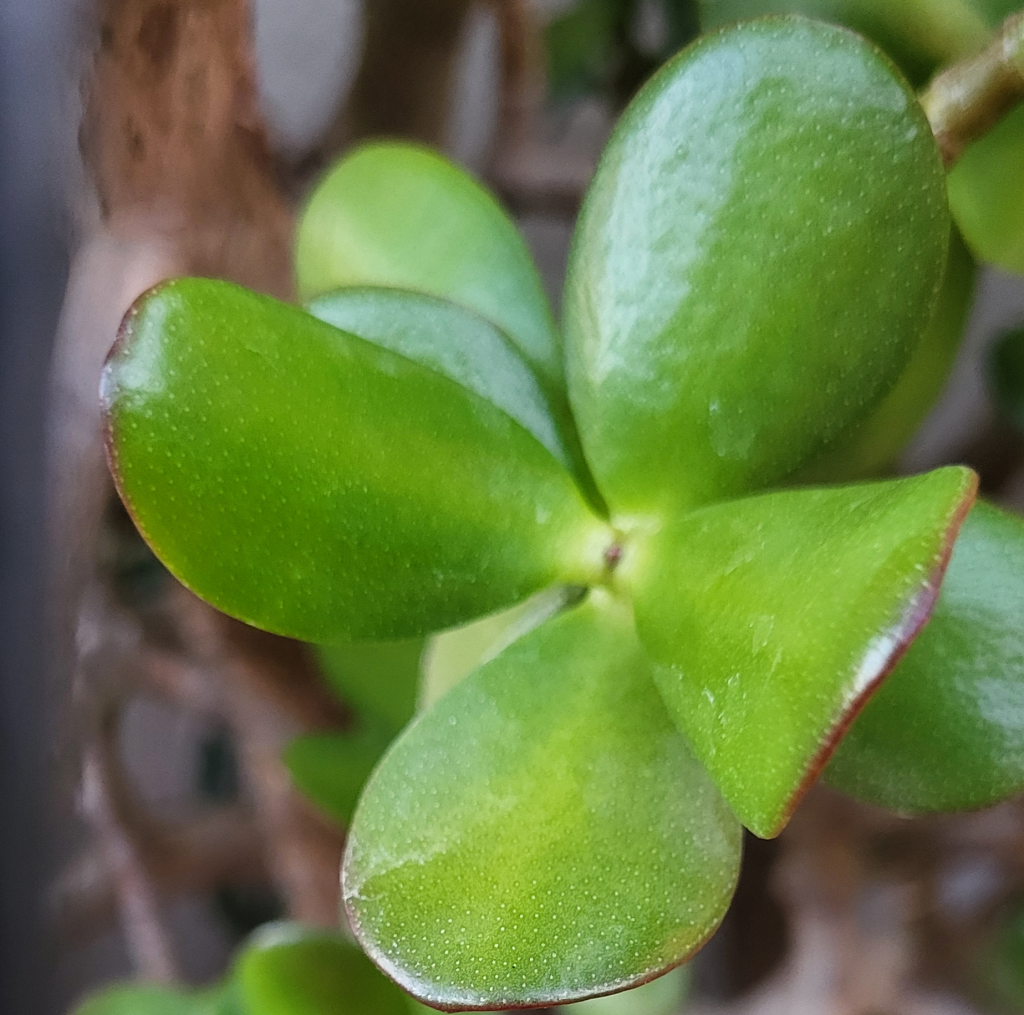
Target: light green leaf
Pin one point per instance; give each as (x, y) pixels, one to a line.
(332, 768)
(543, 833)
(381, 679)
(452, 655)
(454, 342)
(290, 970)
(946, 731)
(316, 485)
(773, 618)
(395, 214)
(756, 260)
(139, 999)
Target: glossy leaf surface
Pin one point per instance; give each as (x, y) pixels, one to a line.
(877, 442)
(380, 678)
(946, 731)
(449, 339)
(290, 970)
(291, 474)
(772, 618)
(1006, 374)
(543, 833)
(331, 768)
(394, 214)
(756, 259)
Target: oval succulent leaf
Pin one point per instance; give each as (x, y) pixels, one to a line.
(133, 999)
(946, 731)
(756, 259)
(876, 442)
(394, 214)
(772, 619)
(451, 340)
(316, 485)
(543, 833)
(290, 970)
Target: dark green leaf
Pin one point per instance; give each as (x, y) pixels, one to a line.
(381, 679)
(332, 768)
(773, 618)
(454, 342)
(946, 731)
(316, 485)
(755, 262)
(290, 970)
(1006, 373)
(543, 833)
(394, 214)
(875, 443)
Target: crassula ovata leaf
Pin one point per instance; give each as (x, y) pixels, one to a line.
(451, 340)
(135, 999)
(755, 261)
(772, 618)
(395, 214)
(876, 442)
(946, 730)
(287, 969)
(1006, 376)
(319, 486)
(543, 833)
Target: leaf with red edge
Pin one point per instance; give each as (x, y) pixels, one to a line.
(946, 732)
(542, 834)
(772, 619)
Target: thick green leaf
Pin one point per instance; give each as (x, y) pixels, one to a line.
(332, 768)
(756, 259)
(876, 442)
(134, 999)
(290, 970)
(773, 618)
(1006, 374)
(394, 214)
(316, 485)
(454, 342)
(663, 996)
(919, 35)
(543, 833)
(986, 193)
(452, 655)
(381, 679)
(946, 731)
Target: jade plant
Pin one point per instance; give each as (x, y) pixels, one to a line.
(663, 481)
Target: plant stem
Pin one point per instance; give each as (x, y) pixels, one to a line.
(971, 97)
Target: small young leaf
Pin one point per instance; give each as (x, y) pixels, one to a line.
(946, 731)
(135, 999)
(543, 833)
(381, 679)
(394, 214)
(454, 342)
(1006, 374)
(316, 485)
(773, 618)
(876, 442)
(332, 768)
(757, 257)
(290, 970)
